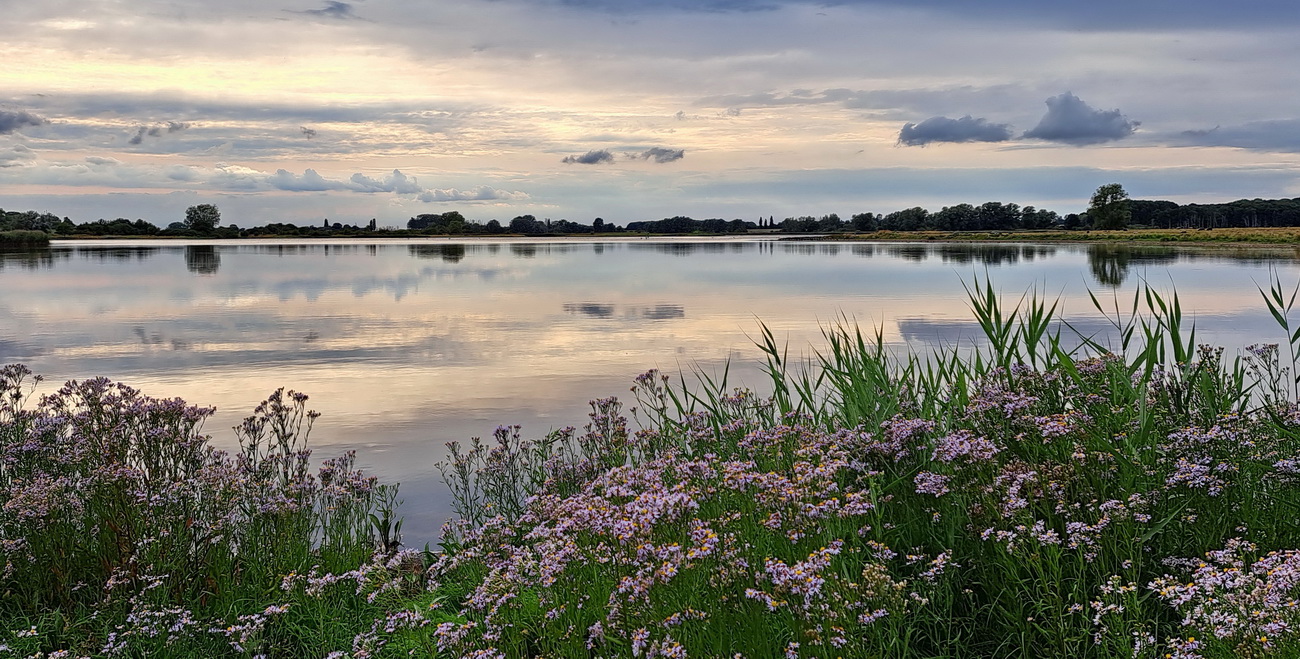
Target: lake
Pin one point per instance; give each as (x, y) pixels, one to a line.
(406, 344)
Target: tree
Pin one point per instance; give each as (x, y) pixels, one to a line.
(1108, 207)
(202, 218)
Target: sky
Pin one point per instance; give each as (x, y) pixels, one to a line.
(299, 110)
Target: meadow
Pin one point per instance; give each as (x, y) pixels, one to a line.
(1136, 496)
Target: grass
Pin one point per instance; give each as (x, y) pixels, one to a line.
(1133, 497)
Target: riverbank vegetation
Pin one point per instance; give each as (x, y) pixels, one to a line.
(1110, 208)
(1261, 236)
(1135, 496)
(21, 238)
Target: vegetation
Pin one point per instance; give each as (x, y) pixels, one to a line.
(1014, 499)
(23, 238)
(1261, 236)
(1108, 208)
(202, 219)
(961, 219)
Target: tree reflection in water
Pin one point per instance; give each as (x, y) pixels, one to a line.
(202, 259)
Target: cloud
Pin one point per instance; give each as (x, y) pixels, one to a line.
(310, 181)
(157, 130)
(308, 132)
(1098, 14)
(479, 193)
(660, 154)
(395, 182)
(12, 120)
(332, 9)
(1277, 135)
(943, 129)
(590, 158)
(227, 177)
(1069, 120)
(17, 156)
(903, 102)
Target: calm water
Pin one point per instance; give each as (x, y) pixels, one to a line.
(406, 345)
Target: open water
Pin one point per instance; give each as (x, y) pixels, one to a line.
(405, 345)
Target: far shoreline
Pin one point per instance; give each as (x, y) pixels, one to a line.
(1226, 237)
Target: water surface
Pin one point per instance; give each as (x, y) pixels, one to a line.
(404, 345)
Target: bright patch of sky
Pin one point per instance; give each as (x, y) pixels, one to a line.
(295, 110)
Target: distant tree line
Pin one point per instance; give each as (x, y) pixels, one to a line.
(1244, 213)
(1109, 207)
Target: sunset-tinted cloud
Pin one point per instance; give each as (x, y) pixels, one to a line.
(490, 107)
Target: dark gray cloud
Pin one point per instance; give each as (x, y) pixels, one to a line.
(1282, 135)
(1069, 120)
(944, 129)
(12, 120)
(660, 154)
(332, 9)
(157, 130)
(594, 157)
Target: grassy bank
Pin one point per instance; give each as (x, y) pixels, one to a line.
(1133, 499)
(1262, 236)
(24, 238)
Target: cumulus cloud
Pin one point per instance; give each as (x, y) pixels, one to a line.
(1069, 120)
(660, 154)
(478, 193)
(101, 160)
(17, 156)
(944, 129)
(12, 120)
(396, 182)
(309, 181)
(594, 157)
